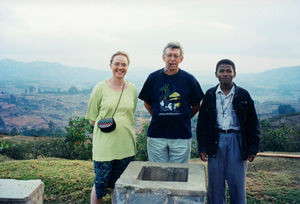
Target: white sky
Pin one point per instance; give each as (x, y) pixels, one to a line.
(256, 34)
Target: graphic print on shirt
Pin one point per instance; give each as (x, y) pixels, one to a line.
(170, 101)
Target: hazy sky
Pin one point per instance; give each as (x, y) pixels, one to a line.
(256, 34)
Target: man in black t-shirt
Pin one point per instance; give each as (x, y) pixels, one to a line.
(172, 96)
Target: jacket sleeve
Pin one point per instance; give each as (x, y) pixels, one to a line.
(252, 129)
(202, 125)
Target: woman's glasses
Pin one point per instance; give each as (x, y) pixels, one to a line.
(117, 64)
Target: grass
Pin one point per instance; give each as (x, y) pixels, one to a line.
(269, 180)
(66, 181)
(21, 139)
(273, 180)
(4, 158)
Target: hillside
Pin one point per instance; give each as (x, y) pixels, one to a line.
(292, 119)
(49, 74)
(34, 94)
(36, 111)
(274, 78)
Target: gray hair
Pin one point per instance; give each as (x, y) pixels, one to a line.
(173, 45)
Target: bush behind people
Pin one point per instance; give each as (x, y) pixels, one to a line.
(76, 144)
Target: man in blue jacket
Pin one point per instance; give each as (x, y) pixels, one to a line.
(228, 135)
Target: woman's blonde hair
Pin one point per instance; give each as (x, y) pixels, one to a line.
(119, 53)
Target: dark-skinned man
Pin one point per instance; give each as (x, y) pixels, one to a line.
(228, 136)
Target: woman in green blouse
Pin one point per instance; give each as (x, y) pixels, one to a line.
(112, 151)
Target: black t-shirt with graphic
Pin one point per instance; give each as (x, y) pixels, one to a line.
(171, 98)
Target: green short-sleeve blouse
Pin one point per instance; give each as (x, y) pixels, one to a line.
(120, 143)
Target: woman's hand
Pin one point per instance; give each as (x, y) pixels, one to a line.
(92, 122)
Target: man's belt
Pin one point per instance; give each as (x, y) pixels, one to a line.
(228, 131)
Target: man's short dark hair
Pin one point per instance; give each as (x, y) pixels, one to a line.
(225, 61)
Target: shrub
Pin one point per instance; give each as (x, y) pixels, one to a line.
(141, 145)
(5, 145)
(194, 150)
(74, 144)
(16, 151)
(77, 131)
(285, 108)
(283, 139)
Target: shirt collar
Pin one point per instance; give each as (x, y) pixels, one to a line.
(232, 90)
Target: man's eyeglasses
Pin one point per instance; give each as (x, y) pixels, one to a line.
(120, 64)
(174, 56)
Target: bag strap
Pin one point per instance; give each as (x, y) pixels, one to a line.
(119, 100)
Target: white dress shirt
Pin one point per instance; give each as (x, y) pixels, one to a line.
(228, 119)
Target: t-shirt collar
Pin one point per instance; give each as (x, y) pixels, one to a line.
(163, 72)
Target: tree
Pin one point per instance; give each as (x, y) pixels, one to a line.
(32, 89)
(12, 99)
(2, 122)
(13, 132)
(141, 145)
(283, 139)
(285, 108)
(73, 90)
(78, 130)
(76, 140)
(51, 127)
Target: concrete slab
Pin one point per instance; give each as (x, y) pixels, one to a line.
(21, 191)
(149, 182)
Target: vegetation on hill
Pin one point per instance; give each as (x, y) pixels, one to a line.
(281, 133)
(74, 144)
(277, 134)
(46, 92)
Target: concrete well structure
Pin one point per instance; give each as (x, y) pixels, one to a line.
(21, 191)
(157, 183)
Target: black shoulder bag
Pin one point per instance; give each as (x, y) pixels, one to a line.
(109, 124)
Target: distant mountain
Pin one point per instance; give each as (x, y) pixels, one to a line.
(272, 84)
(274, 78)
(275, 84)
(56, 73)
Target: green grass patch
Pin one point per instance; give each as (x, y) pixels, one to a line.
(21, 139)
(273, 180)
(66, 181)
(269, 180)
(4, 158)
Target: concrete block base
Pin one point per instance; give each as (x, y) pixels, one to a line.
(156, 183)
(20, 191)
